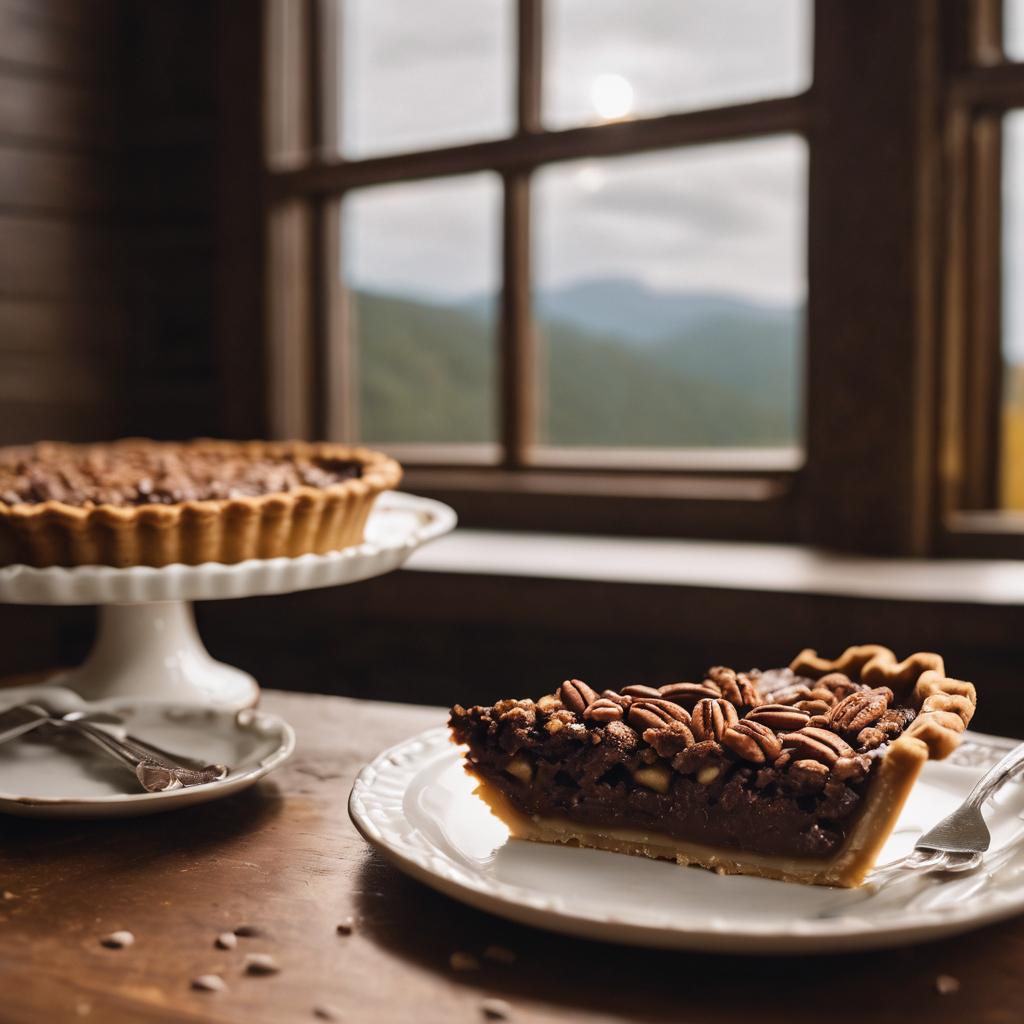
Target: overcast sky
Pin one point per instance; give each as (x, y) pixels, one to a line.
(729, 218)
(723, 218)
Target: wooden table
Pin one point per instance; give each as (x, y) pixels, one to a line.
(285, 858)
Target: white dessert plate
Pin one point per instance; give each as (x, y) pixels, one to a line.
(414, 803)
(46, 780)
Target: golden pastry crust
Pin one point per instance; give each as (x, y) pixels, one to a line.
(302, 520)
(944, 706)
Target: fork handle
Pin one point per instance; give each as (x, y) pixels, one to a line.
(993, 779)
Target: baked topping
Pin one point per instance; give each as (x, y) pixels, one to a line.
(156, 473)
(576, 695)
(859, 710)
(655, 714)
(687, 694)
(711, 717)
(772, 761)
(753, 742)
(735, 686)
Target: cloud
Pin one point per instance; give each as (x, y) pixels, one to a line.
(728, 217)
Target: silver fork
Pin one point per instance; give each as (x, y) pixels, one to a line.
(960, 840)
(155, 770)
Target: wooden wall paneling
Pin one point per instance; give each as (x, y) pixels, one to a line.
(54, 182)
(240, 324)
(62, 114)
(64, 38)
(62, 324)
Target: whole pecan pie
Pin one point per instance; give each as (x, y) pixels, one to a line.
(140, 502)
(797, 773)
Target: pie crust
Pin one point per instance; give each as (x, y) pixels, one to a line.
(302, 520)
(944, 707)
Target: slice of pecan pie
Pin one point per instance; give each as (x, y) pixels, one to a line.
(797, 774)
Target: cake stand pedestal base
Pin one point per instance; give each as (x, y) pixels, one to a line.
(148, 647)
(155, 650)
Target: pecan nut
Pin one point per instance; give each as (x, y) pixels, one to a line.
(687, 694)
(736, 687)
(639, 690)
(851, 769)
(603, 710)
(779, 717)
(870, 738)
(656, 714)
(711, 717)
(895, 720)
(753, 742)
(576, 695)
(669, 740)
(792, 694)
(815, 744)
(838, 684)
(620, 699)
(815, 706)
(858, 711)
(809, 776)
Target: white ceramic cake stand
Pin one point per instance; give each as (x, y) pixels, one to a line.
(147, 645)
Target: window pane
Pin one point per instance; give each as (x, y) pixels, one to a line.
(424, 74)
(605, 59)
(421, 262)
(669, 292)
(1013, 311)
(1013, 29)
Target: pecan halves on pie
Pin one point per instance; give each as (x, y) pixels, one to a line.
(808, 776)
(669, 739)
(779, 717)
(794, 694)
(753, 742)
(838, 684)
(736, 687)
(576, 695)
(604, 709)
(687, 694)
(859, 710)
(711, 717)
(815, 744)
(655, 714)
(639, 690)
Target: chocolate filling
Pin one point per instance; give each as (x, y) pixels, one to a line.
(153, 473)
(721, 777)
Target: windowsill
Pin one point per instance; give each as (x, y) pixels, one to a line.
(768, 568)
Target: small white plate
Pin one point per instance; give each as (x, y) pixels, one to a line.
(415, 804)
(44, 780)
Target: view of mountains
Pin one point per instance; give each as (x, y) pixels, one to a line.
(621, 364)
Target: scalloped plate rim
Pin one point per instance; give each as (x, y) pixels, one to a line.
(841, 934)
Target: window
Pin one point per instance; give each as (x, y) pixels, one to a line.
(986, 318)
(737, 268)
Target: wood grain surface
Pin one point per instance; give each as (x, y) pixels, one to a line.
(284, 857)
